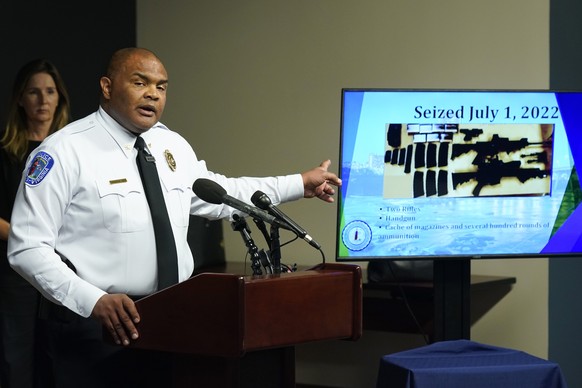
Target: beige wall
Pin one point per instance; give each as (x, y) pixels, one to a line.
(255, 86)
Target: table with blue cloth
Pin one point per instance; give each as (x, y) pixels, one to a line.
(464, 363)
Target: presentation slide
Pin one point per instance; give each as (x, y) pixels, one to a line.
(429, 174)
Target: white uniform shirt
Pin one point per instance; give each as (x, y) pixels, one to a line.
(83, 201)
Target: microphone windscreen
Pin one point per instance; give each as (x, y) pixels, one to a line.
(261, 200)
(209, 191)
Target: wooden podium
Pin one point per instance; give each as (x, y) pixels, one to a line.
(229, 330)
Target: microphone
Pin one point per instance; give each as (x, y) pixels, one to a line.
(210, 191)
(262, 201)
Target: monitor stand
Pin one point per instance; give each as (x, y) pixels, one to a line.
(452, 299)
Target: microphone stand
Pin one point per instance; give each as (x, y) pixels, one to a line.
(262, 227)
(239, 224)
(275, 249)
(264, 255)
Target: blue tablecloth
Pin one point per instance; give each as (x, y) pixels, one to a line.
(464, 363)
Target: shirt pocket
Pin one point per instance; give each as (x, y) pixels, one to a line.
(124, 205)
(178, 199)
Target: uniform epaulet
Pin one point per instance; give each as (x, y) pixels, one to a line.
(79, 127)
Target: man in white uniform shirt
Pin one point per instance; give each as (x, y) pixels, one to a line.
(81, 228)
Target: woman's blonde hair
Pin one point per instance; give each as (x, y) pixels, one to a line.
(15, 138)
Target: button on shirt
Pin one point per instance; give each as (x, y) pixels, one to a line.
(82, 200)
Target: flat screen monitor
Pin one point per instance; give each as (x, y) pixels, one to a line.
(431, 174)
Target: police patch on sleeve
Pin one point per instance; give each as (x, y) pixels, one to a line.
(39, 168)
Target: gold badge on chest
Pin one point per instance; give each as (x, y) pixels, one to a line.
(170, 160)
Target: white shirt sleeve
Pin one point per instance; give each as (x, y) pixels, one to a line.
(32, 249)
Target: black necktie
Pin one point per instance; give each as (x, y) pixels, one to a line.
(165, 245)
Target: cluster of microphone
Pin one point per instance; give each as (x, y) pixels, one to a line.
(264, 210)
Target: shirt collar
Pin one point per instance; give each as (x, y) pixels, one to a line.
(124, 138)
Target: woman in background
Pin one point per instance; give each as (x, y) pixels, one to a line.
(39, 106)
